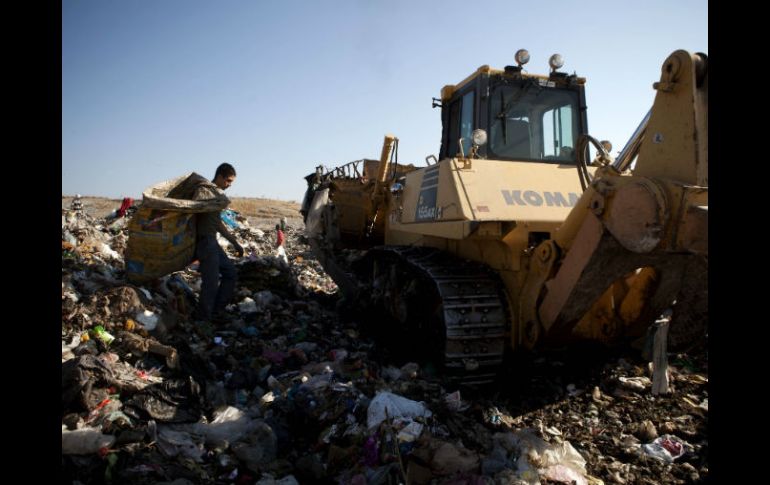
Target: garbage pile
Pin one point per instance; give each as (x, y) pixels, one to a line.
(286, 391)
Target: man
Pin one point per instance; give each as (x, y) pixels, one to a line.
(213, 260)
(279, 240)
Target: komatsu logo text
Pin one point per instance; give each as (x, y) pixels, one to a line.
(531, 197)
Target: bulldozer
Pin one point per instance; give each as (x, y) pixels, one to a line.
(512, 238)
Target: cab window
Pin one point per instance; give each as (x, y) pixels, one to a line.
(557, 133)
(530, 121)
(461, 124)
(466, 122)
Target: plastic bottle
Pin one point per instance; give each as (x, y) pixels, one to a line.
(100, 333)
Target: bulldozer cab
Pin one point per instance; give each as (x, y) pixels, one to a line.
(526, 117)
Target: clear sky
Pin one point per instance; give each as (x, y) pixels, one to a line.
(153, 89)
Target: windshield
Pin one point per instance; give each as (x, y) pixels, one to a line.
(533, 122)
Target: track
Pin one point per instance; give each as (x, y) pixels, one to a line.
(456, 304)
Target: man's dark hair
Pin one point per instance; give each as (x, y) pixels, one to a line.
(225, 170)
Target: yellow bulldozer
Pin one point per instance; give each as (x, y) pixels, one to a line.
(512, 238)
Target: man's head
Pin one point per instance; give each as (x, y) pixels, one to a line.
(225, 176)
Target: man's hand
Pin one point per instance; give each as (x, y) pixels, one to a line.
(225, 232)
(238, 248)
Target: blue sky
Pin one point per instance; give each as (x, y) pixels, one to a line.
(154, 89)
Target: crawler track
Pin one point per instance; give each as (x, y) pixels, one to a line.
(456, 304)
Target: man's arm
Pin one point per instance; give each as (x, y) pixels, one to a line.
(203, 193)
(225, 232)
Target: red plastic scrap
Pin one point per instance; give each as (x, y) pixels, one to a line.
(125, 205)
(672, 446)
(101, 404)
(93, 414)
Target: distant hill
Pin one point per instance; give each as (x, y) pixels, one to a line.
(247, 206)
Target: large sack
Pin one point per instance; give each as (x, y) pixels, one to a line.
(176, 195)
(161, 234)
(159, 242)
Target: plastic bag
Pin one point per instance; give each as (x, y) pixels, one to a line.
(230, 424)
(281, 254)
(395, 406)
(666, 448)
(84, 441)
(228, 217)
(148, 320)
(538, 458)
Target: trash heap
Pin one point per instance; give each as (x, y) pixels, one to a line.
(286, 391)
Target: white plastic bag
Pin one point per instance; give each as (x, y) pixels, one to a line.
(229, 424)
(538, 458)
(395, 406)
(148, 319)
(247, 305)
(666, 448)
(281, 254)
(84, 441)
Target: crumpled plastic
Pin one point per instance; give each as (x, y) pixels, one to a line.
(228, 217)
(666, 448)
(259, 448)
(148, 319)
(248, 305)
(635, 383)
(66, 349)
(173, 401)
(175, 443)
(395, 406)
(229, 424)
(410, 432)
(81, 377)
(538, 458)
(84, 441)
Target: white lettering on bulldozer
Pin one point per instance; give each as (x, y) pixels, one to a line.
(531, 197)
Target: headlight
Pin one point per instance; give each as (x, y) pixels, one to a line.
(479, 137)
(556, 61)
(522, 57)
